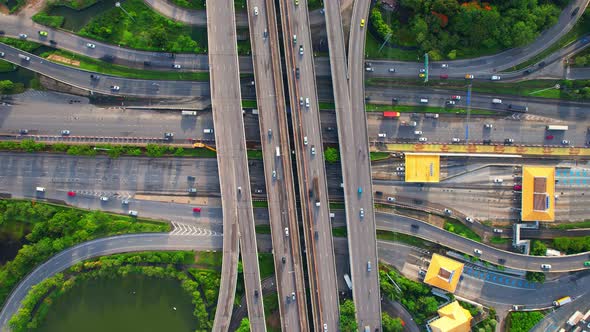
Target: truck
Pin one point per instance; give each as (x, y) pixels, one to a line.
(255, 111)
(391, 114)
(278, 151)
(189, 112)
(518, 108)
(557, 127)
(564, 300)
(574, 319)
(24, 57)
(348, 281)
(431, 115)
(408, 123)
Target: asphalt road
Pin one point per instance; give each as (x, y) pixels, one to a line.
(274, 134)
(310, 163)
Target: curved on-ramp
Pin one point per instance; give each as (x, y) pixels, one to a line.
(101, 247)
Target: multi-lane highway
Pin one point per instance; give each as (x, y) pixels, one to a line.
(274, 136)
(233, 169)
(313, 191)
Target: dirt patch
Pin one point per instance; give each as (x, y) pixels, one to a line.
(4, 9)
(59, 58)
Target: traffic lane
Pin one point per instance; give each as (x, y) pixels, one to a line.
(101, 247)
(432, 233)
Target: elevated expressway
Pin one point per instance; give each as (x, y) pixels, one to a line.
(356, 164)
(278, 171)
(313, 190)
(234, 178)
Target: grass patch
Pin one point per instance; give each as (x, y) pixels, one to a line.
(142, 29)
(399, 237)
(25, 45)
(254, 154)
(523, 320)
(572, 225)
(337, 205)
(327, 106)
(104, 67)
(48, 20)
(271, 303)
(266, 264)
(249, 104)
(499, 240)
(581, 28)
(458, 228)
(339, 231)
(375, 156)
(260, 204)
(425, 109)
(372, 46)
(209, 259)
(74, 4)
(262, 229)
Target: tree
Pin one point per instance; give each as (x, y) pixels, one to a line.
(6, 86)
(244, 325)
(581, 61)
(331, 155)
(538, 248)
(391, 324)
(535, 276)
(347, 317)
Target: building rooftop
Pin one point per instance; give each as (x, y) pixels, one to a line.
(422, 167)
(538, 193)
(453, 318)
(443, 273)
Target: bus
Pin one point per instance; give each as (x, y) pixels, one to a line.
(557, 127)
(391, 114)
(348, 281)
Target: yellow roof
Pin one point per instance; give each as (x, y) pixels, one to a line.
(443, 273)
(538, 193)
(453, 318)
(422, 167)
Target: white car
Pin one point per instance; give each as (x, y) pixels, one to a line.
(496, 78)
(417, 132)
(444, 65)
(423, 139)
(477, 251)
(90, 45)
(23, 36)
(176, 66)
(488, 125)
(286, 231)
(115, 87)
(65, 132)
(546, 266)
(133, 213)
(565, 142)
(455, 140)
(300, 49)
(369, 69)
(469, 219)
(390, 199)
(1, 54)
(255, 10)
(274, 174)
(104, 198)
(313, 150)
(497, 230)
(451, 102)
(498, 180)
(382, 135)
(362, 213)
(392, 70)
(305, 140)
(399, 168)
(449, 212)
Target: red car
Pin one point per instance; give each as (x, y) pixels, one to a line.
(456, 97)
(71, 193)
(444, 76)
(549, 137)
(517, 187)
(196, 209)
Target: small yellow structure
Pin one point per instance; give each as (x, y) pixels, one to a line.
(422, 167)
(538, 193)
(453, 318)
(443, 273)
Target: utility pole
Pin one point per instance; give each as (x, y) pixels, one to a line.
(118, 5)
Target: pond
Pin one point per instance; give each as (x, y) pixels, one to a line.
(12, 237)
(132, 303)
(74, 20)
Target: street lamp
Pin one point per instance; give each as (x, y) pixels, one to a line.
(118, 5)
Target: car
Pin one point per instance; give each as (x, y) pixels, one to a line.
(176, 66)
(2, 54)
(528, 71)
(469, 220)
(71, 193)
(265, 33)
(546, 266)
(565, 142)
(94, 77)
(196, 209)
(90, 45)
(424, 100)
(286, 231)
(284, 259)
(362, 213)
(382, 135)
(487, 141)
(65, 132)
(369, 69)
(417, 132)
(301, 102)
(391, 199)
(496, 101)
(133, 213)
(274, 174)
(255, 11)
(360, 190)
(422, 75)
(362, 22)
(104, 198)
(498, 230)
(23, 36)
(368, 266)
(394, 99)
(300, 49)
(255, 293)
(115, 87)
(293, 296)
(469, 76)
(43, 33)
(40, 189)
(488, 126)
(444, 65)
(451, 102)
(456, 97)
(23, 131)
(455, 140)
(399, 169)
(296, 2)
(444, 76)
(587, 263)
(449, 212)
(575, 11)
(422, 70)
(192, 190)
(297, 72)
(415, 226)
(517, 187)
(498, 180)
(477, 251)
(549, 137)
(495, 78)
(325, 327)
(508, 141)
(168, 135)
(391, 70)
(125, 202)
(313, 150)
(330, 129)
(258, 191)
(422, 139)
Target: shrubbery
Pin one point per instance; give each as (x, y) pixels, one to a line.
(348, 321)
(45, 19)
(523, 321)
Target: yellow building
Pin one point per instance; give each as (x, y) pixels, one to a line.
(443, 273)
(422, 167)
(453, 318)
(538, 193)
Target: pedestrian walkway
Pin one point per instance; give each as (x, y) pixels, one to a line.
(573, 177)
(500, 279)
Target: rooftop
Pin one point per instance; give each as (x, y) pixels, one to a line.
(538, 193)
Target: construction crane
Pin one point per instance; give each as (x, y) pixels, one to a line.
(203, 146)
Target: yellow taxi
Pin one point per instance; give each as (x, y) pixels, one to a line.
(422, 75)
(468, 76)
(296, 2)
(362, 22)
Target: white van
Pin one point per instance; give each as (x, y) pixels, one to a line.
(278, 151)
(496, 101)
(383, 135)
(40, 189)
(189, 112)
(208, 131)
(133, 213)
(307, 102)
(424, 100)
